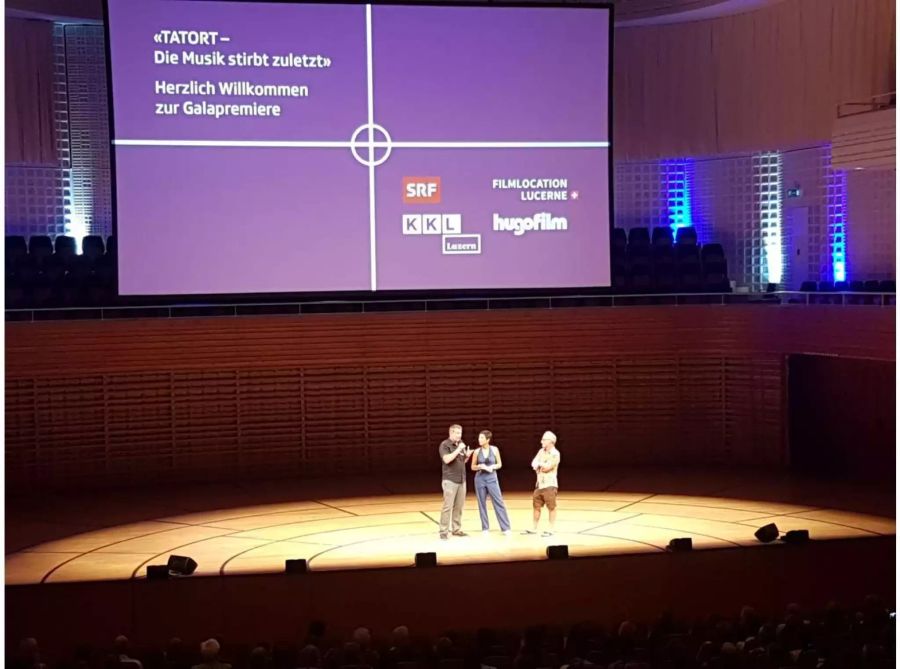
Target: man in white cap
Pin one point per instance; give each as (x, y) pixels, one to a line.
(545, 465)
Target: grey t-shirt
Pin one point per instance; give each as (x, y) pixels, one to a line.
(456, 470)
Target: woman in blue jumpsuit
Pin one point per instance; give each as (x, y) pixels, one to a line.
(485, 465)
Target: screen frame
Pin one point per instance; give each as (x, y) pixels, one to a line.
(370, 295)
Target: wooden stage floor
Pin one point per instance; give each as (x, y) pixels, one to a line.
(356, 523)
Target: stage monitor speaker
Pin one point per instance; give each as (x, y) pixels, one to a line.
(157, 572)
(767, 533)
(297, 566)
(181, 565)
(796, 537)
(680, 545)
(557, 552)
(426, 559)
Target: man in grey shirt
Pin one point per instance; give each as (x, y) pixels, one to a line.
(454, 455)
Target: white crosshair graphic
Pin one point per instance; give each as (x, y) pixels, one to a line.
(371, 144)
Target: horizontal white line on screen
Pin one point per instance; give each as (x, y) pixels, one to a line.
(228, 142)
(493, 145)
(347, 145)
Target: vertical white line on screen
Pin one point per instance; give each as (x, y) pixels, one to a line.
(372, 255)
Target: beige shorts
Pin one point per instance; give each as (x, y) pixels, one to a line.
(544, 496)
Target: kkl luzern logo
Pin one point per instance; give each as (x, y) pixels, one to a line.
(432, 224)
(449, 227)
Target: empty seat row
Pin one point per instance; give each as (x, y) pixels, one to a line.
(661, 236)
(666, 262)
(41, 272)
(40, 247)
(870, 286)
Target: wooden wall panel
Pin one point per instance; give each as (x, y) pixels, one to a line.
(164, 400)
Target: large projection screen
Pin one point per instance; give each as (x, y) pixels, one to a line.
(263, 148)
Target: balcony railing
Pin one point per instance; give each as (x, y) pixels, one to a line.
(775, 299)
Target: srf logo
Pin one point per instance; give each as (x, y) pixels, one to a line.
(421, 190)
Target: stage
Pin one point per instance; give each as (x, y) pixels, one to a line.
(358, 523)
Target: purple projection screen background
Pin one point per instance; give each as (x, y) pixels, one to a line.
(286, 148)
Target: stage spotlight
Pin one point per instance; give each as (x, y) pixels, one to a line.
(157, 572)
(180, 565)
(680, 545)
(796, 537)
(557, 552)
(295, 567)
(767, 533)
(426, 559)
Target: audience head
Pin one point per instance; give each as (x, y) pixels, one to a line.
(209, 650)
(443, 647)
(627, 630)
(827, 638)
(352, 653)
(310, 657)
(362, 636)
(400, 636)
(29, 652)
(259, 657)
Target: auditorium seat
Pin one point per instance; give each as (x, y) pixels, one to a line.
(100, 286)
(619, 273)
(823, 289)
(639, 262)
(16, 249)
(73, 291)
(690, 273)
(40, 247)
(638, 251)
(619, 242)
(65, 248)
(687, 252)
(841, 286)
(664, 270)
(686, 235)
(857, 286)
(639, 236)
(872, 286)
(19, 278)
(662, 236)
(889, 288)
(715, 269)
(808, 287)
(46, 288)
(54, 267)
(79, 272)
(686, 248)
(712, 253)
(640, 272)
(92, 247)
(99, 292)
